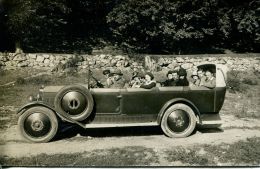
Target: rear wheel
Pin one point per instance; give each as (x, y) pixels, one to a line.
(178, 120)
(38, 124)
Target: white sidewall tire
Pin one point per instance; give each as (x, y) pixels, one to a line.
(39, 109)
(192, 121)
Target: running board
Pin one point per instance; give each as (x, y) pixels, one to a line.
(93, 125)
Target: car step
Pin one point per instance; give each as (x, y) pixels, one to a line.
(104, 125)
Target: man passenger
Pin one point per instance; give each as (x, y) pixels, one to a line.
(171, 78)
(175, 76)
(202, 77)
(210, 81)
(117, 80)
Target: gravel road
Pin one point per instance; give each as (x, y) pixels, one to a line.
(232, 130)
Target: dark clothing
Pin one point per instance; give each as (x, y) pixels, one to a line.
(182, 82)
(195, 82)
(169, 82)
(148, 86)
(119, 83)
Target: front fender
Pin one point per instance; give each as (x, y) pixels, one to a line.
(32, 104)
(174, 101)
(37, 103)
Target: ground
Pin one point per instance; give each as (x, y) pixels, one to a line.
(236, 142)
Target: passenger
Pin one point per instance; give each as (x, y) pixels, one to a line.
(106, 72)
(175, 75)
(202, 76)
(210, 81)
(170, 81)
(196, 79)
(149, 81)
(182, 81)
(117, 81)
(133, 79)
(109, 77)
(137, 81)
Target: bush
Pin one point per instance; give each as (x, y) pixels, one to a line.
(234, 81)
(39, 80)
(249, 81)
(20, 81)
(239, 81)
(72, 62)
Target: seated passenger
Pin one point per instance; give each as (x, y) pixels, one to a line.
(108, 78)
(182, 81)
(132, 81)
(210, 81)
(117, 80)
(149, 82)
(137, 80)
(175, 75)
(170, 81)
(202, 76)
(106, 72)
(196, 79)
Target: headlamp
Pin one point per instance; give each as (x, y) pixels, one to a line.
(31, 98)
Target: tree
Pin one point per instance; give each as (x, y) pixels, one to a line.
(246, 29)
(31, 23)
(58, 25)
(186, 26)
(3, 34)
(156, 26)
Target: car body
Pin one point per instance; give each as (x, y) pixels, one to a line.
(177, 109)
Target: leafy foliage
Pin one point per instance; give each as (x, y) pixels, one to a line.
(55, 26)
(156, 26)
(33, 22)
(177, 26)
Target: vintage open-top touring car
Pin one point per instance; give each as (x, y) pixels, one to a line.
(176, 109)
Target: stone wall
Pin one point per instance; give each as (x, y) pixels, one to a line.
(241, 62)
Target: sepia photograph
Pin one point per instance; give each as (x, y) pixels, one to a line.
(129, 83)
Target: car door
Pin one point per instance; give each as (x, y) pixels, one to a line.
(107, 101)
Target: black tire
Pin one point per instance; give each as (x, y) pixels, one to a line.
(178, 120)
(38, 124)
(74, 101)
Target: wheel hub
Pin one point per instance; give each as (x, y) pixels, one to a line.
(178, 121)
(74, 103)
(37, 124)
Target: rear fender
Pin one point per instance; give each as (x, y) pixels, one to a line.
(178, 100)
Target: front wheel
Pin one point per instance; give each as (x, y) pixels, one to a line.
(38, 124)
(178, 120)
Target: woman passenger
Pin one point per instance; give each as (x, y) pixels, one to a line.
(182, 81)
(149, 81)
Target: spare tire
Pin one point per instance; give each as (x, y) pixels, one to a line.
(74, 101)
